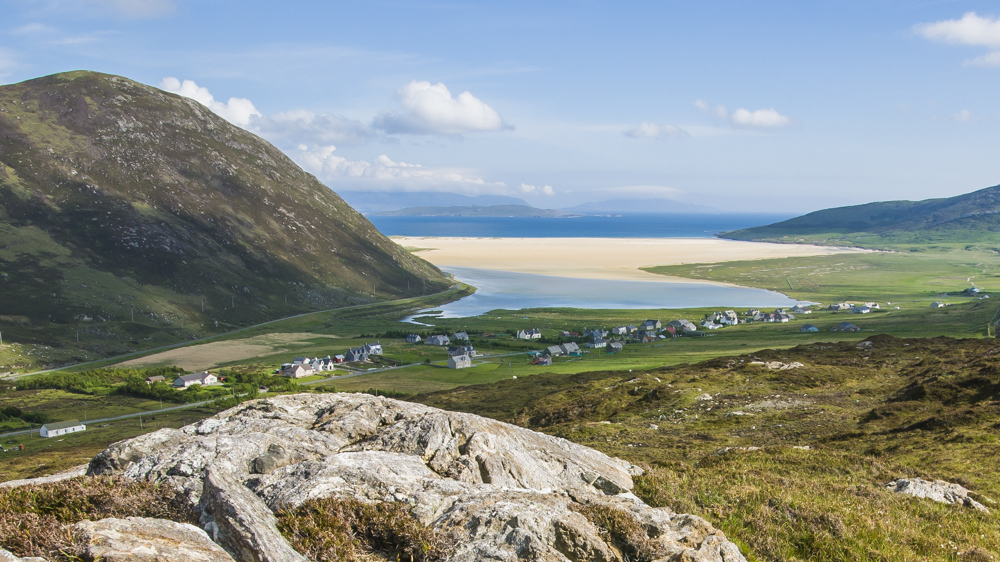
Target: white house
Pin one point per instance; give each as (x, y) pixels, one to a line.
(620, 330)
(459, 361)
(650, 325)
(297, 371)
(532, 334)
(460, 336)
(322, 364)
(937, 304)
(437, 340)
(709, 325)
(596, 343)
(800, 309)
(373, 348)
(413, 338)
(56, 429)
(203, 378)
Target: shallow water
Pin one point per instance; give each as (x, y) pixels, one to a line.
(513, 291)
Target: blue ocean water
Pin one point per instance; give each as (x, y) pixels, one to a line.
(621, 226)
(512, 291)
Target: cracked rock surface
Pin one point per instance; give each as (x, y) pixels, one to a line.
(505, 492)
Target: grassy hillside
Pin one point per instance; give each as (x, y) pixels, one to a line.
(792, 460)
(968, 218)
(131, 217)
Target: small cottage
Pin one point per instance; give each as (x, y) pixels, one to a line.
(459, 361)
(413, 338)
(204, 379)
(299, 371)
(56, 429)
(437, 340)
(808, 328)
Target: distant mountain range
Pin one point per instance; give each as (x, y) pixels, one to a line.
(128, 213)
(972, 216)
(476, 211)
(442, 204)
(383, 201)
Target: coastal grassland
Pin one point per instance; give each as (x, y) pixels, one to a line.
(42, 456)
(906, 276)
(792, 463)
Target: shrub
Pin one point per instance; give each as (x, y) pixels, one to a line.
(336, 529)
(35, 519)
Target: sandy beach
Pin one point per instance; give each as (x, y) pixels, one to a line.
(596, 258)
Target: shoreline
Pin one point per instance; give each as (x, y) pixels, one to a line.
(598, 258)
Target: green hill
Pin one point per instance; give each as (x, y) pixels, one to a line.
(131, 217)
(973, 217)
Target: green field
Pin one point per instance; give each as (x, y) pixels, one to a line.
(854, 409)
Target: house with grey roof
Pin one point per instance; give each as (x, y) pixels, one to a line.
(203, 378)
(55, 429)
(459, 362)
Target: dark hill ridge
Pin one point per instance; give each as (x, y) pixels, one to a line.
(120, 201)
(976, 211)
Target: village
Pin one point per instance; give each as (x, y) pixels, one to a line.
(457, 350)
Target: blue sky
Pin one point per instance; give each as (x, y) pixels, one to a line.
(770, 106)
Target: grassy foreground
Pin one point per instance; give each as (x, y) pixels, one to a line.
(792, 463)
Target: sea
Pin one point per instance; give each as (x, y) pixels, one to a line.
(514, 291)
(610, 226)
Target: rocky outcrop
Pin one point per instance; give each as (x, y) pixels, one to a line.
(6, 556)
(141, 539)
(938, 490)
(503, 492)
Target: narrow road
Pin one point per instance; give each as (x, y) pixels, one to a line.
(205, 339)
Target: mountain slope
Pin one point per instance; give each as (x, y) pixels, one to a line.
(126, 211)
(977, 212)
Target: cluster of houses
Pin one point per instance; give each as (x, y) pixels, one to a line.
(459, 356)
(203, 378)
(302, 367)
(853, 308)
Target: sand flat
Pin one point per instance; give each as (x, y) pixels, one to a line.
(597, 258)
(207, 355)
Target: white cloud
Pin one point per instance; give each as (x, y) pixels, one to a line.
(989, 59)
(763, 118)
(528, 189)
(649, 130)
(33, 29)
(430, 109)
(962, 116)
(128, 9)
(238, 111)
(308, 127)
(742, 117)
(384, 174)
(972, 29)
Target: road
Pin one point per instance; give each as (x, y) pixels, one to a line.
(202, 403)
(205, 339)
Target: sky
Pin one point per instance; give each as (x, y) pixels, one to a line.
(783, 106)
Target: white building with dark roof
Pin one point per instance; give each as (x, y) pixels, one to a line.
(55, 429)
